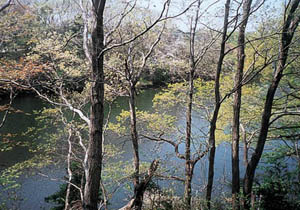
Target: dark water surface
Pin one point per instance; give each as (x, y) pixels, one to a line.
(34, 188)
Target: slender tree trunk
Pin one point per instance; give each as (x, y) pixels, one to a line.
(213, 121)
(93, 162)
(188, 163)
(211, 160)
(134, 137)
(289, 26)
(237, 106)
(245, 157)
(67, 204)
(188, 185)
(298, 158)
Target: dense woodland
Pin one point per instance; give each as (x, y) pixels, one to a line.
(233, 63)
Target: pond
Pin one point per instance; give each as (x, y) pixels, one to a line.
(34, 188)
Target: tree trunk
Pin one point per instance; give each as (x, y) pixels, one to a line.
(246, 148)
(188, 185)
(213, 121)
(289, 26)
(134, 137)
(93, 161)
(141, 188)
(237, 106)
(188, 163)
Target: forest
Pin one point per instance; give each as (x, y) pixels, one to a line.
(139, 101)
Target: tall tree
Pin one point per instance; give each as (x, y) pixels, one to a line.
(290, 23)
(237, 106)
(132, 74)
(93, 158)
(189, 163)
(196, 54)
(213, 122)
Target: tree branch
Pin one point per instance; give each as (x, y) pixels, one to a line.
(158, 20)
(11, 97)
(160, 139)
(7, 4)
(142, 186)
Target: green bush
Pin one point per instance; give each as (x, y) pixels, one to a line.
(279, 188)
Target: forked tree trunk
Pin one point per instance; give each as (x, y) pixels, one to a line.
(141, 188)
(213, 121)
(289, 26)
(237, 106)
(93, 161)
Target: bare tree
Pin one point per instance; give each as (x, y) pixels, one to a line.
(196, 54)
(93, 157)
(189, 165)
(217, 104)
(95, 47)
(291, 21)
(237, 106)
(100, 44)
(133, 73)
